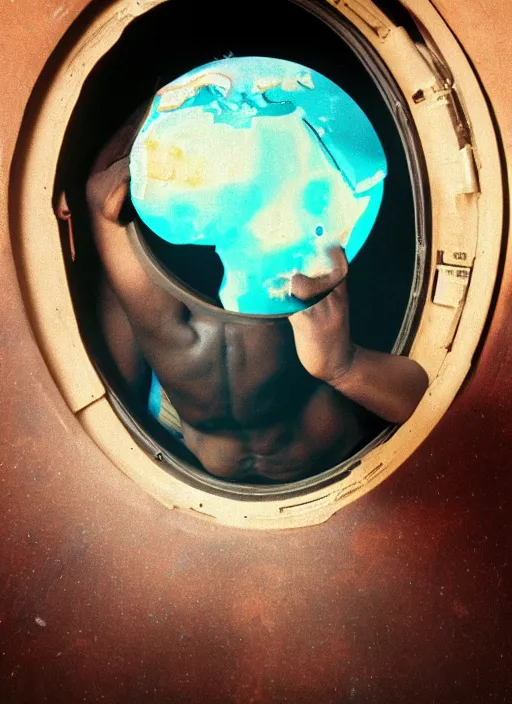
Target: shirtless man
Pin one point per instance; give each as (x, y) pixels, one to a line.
(275, 401)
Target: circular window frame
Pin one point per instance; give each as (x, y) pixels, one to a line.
(461, 153)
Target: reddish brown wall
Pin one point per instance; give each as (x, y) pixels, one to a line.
(404, 596)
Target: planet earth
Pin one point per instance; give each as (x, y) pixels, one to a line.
(269, 161)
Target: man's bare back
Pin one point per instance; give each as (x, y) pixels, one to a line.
(248, 407)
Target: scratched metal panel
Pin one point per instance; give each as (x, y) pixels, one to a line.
(107, 596)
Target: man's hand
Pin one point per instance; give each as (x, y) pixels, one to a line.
(108, 184)
(107, 190)
(321, 332)
(387, 385)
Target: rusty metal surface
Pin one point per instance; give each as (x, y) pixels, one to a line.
(106, 596)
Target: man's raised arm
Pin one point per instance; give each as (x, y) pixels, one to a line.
(388, 385)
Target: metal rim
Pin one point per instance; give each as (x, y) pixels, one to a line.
(446, 338)
(397, 107)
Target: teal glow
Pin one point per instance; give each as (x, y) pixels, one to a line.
(269, 161)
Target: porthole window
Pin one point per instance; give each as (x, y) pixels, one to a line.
(421, 285)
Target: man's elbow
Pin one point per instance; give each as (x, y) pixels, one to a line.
(417, 386)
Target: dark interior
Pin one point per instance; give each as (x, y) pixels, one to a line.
(171, 40)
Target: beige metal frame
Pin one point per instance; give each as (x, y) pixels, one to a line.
(466, 187)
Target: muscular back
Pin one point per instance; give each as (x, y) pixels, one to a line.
(248, 407)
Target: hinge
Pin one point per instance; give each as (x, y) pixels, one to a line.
(370, 18)
(63, 213)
